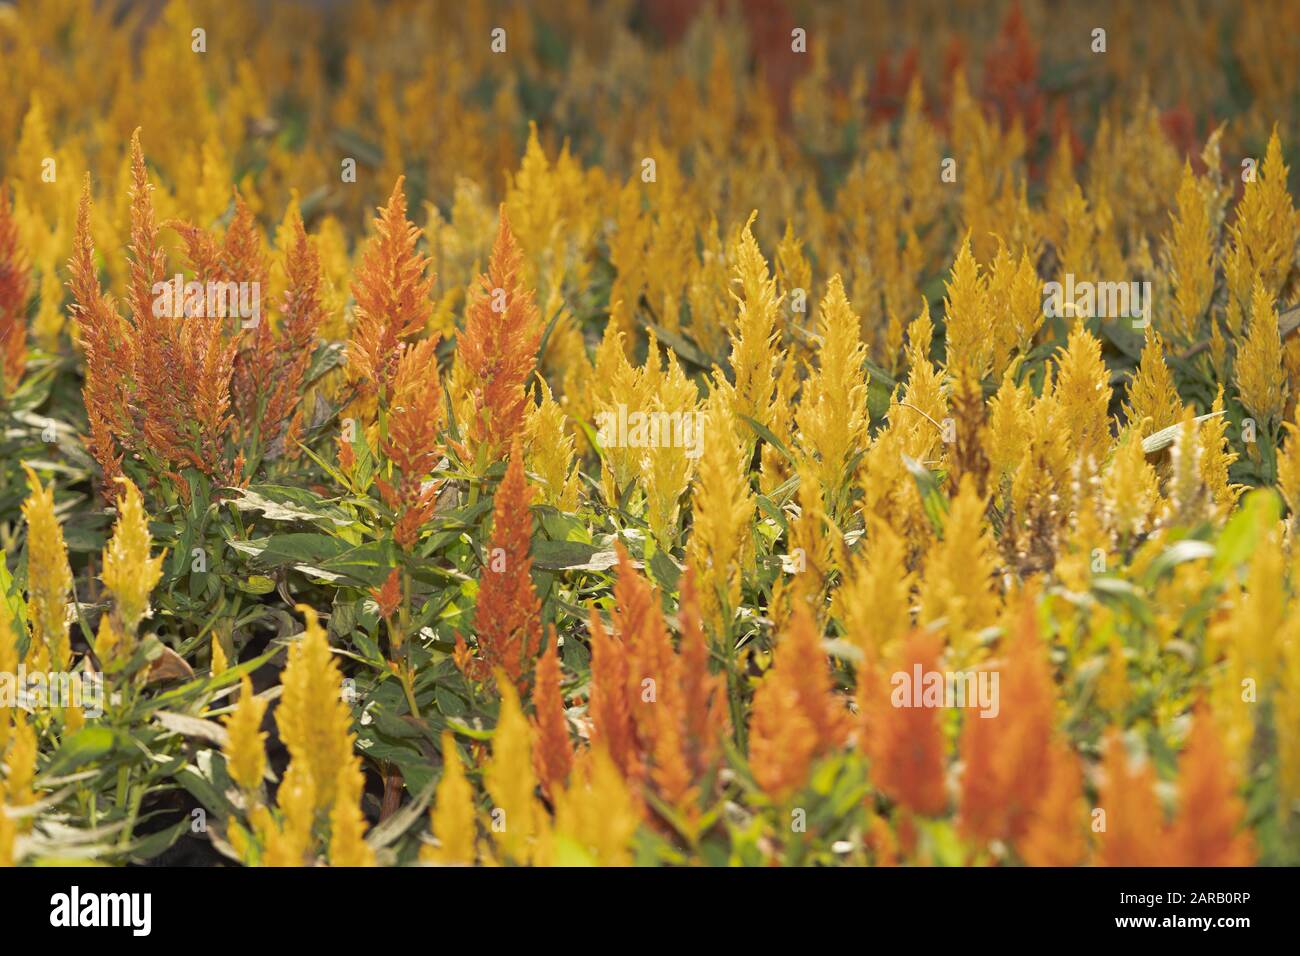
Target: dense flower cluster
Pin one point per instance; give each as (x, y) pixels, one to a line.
(662, 433)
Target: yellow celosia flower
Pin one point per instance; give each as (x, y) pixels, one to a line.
(347, 824)
(550, 452)
(49, 579)
(1191, 258)
(874, 603)
(755, 351)
(20, 765)
(313, 719)
(245, 750)
(1153, 401)
(452, 816)
(721, 502)
(957, 582)
(596, 816)
(288, 841)
(1082, 392)
(832, 415)
(129, 573)
(517, 815)
(1263, 234)
(1131, 489)
(1261, 381)
(970, 322)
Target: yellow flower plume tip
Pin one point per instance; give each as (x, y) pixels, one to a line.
(452, 816)
(314, 720)
(245, 749)
(48, 574)
(517, 816)
(130, 574)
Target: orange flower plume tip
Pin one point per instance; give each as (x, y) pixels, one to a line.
(553, 756)
(392, 295)
(14, 287)
(507, 620)
(908, 743)
(797, 715)
(497, 351)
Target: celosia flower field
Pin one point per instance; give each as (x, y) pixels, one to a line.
(679, 433)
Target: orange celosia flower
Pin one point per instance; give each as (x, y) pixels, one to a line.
(1208, 830)
(1006, 755)
(611, 721)
(392, 297)
(1056, 833)
(797, 714)
(13, 300)
(109, 351)
(1134, 833)
(906, 743)
(498, 350)
(704, 693)
(414, 420)
(553, 753)
(508, 618)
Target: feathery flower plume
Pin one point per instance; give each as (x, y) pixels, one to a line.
(518, 816)
(245, 750)
(414, 420)
(553, 755)
(129, 573)
(1056, 834)
(1261, 380)
(452, 814)
(1006, 755)
(507, 619)
(314, 721)
(1208, 830)
(957, 583)
(906, 744)
(497, 352)
(797, 715)
(14, 278)
(109, 346)
(392, 298)
(597, 813)
(611, 718)
(347, 824)
(49, 579)
(1134, 833)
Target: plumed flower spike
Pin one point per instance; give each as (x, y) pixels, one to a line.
(1005, 754)
(347, 824)
(553, 756)
(452, 814)
(1208, 830)
(49, 579)
(109, 350)
(245, 749)
(497, 352)
(1261, 379)
(14, 282)
(796, 716)
(392, 296)
(508, 619)
(313, 718)
(129, 573)
(518, 816)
